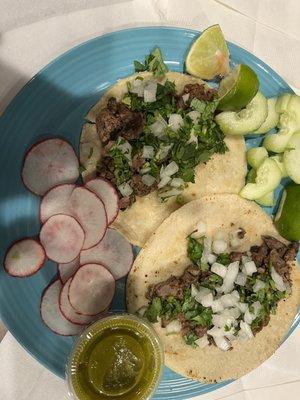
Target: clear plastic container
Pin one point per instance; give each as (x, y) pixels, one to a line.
(104, 365)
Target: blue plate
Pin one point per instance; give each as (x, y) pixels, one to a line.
(54, 103)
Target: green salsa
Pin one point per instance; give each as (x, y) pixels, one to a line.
(116, 358)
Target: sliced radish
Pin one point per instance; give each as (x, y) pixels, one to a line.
(49, 163)
(68, 311)
(56, 201)
(51, 314)
(62, 238)
(92, 289)
(90, 212)
(68, 269)
(24, 258)
(113, 251)
(108, 194)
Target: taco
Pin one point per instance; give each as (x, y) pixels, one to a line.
(156, 160)
(220, 286)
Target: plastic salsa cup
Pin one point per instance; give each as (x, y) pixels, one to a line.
(118, 357)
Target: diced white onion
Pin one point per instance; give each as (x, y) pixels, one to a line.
(250, 267)
(228, 300)
(141, 311)
(246, 259)
(246, 328)
(241, 279)
(194, 115)
(173, 327)
(148, 180)
(235, 242)
(150, 92)
(194, 291)
(206, 249)
(258, 285)
(175, 121)
(243, 307)
(148, 152)
(177, 182)
(126, 149)
(234, 312)
(219, 246)
(125, 189)
(185, 97)
(138, 87)
(200, 230)
(219, 269)
(164, 181)
(216, 332)
(170, 193)
(230, 277)
(158, 127)
(145, 170)
(163, 151)
(200, 294)
(207, 300)
(249, 317)
(219, 321)
(211, 258)
(217, 306)
(202, 342)
(222, 343)
(193, 138)
(170, 169)
(279, 283)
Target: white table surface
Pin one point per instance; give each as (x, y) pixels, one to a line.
(33, 32)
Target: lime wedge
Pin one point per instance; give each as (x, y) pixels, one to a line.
(238, 88)
(287, 220)
(209, 55)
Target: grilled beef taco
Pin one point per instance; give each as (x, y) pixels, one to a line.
(220, 286)
(160, 147)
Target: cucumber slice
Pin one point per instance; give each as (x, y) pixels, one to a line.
(268, 199)
(272, 117)
(256, 156)
(282, 102)
(289, 123)
(291, 160)
(268, 177)
(246, 120)
(279, 161)
(294, 142)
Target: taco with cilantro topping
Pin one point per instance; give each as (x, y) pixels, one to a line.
(220, 286)
(160, 146)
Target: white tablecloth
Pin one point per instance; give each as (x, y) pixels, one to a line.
(33, 32)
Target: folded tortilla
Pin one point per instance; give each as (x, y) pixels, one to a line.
(165, 254)
(223, 173)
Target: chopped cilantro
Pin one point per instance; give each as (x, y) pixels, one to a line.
(154, 63)
(195, 250)
(226, 328)
(223, 259)
(154, 310)
(81, 168)
(204, 318)
(122, 171)
(190, 339)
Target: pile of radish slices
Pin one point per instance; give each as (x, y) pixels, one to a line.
(75, 234)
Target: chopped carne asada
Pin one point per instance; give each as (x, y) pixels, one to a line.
(204, 301)
(154, 138)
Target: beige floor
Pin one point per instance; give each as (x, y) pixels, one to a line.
(2, 331)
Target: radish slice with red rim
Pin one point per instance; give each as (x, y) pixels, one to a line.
(108, 194)
(90, 212)
(49, 163)
(51, 314)
(68, 311)
(62, 238)
(92, 289)
(68, 269)
(114, 251)
(24, 258)
(56, 201)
